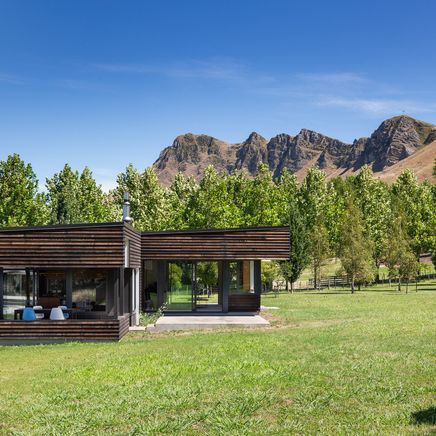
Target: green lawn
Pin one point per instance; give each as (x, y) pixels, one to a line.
(331, 364)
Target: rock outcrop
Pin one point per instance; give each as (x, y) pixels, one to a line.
(395, 140)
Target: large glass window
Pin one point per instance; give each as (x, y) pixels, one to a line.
(52, 289)
(89, 289)
(241, 277)
(150, 285)
(180, 283)
(16, 293)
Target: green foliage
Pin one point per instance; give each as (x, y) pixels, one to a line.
(312, 197)
(211, 204)
(75, 197)
(320, 249)
(20, 204)
(261, 199)
(355, 249)
(150, 202)
(207, 273)
(400, 257)
(270, 272)
(419, 209)
(299, 252)
(373, 199)
(175, 275)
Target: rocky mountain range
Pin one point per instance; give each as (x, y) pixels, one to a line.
(391, 146)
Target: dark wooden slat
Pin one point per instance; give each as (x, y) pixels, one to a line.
(85, 246)
(227, 244)
(244, 303)
(110, 329)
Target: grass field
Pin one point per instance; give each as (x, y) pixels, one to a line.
(333, 363)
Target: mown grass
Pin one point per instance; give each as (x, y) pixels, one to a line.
(331, 364)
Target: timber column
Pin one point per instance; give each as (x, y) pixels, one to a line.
(1, 292)
(225, 285)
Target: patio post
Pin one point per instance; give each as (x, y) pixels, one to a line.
(162, 282)
(27, 285)
(1, 292)
(120, 306)
(226, 285)
(257, 277)
(69, 288)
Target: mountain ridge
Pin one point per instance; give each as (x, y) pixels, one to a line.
(394, 141)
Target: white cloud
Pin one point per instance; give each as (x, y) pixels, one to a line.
(377, 106)
(82, 85)
(334, 78)
(342, 89)
(14, 80)
(213, 69)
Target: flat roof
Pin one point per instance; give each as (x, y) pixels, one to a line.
(146, 232)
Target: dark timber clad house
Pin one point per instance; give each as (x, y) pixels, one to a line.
(105, 274)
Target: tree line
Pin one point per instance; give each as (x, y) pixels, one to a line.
(360, 219)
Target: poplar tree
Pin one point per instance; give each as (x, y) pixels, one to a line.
(20, 203)
(299, 250)
(181, 192)
(400, 257)
(261, 200)
(373, 199)
(150, 205)
(356, 249)
(75, 197)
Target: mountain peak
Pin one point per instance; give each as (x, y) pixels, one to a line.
(255, 137)
(395, 139)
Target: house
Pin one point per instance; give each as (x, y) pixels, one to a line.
(105, 274)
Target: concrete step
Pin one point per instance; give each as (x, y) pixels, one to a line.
(199, 322)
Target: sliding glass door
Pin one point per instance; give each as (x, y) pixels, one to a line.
(207, 286)
(193, 286)
(179, 295)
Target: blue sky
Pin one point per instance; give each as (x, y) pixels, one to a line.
(103, 83)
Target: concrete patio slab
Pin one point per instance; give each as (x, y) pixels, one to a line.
(202, 322)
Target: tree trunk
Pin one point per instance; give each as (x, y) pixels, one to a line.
(399, 284)
(287, 285)
(377, 276)
(352, 285)
(292, 287)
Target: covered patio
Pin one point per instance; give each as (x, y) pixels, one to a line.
(88, 275)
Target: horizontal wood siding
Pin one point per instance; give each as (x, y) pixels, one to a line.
(135, 246)
(63, 246)
(231, 244)
(244, 303)
(104, 330)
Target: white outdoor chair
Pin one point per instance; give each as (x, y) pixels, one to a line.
(38, 315)
(66, 315)
(56, 314)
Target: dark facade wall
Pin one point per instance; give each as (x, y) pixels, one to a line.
(134, 239)
(230, 244)
(81, 246)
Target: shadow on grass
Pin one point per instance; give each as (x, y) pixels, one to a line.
(427, 416)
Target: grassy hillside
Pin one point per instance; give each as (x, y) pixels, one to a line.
(332, 363)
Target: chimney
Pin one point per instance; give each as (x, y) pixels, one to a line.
(126, 209)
